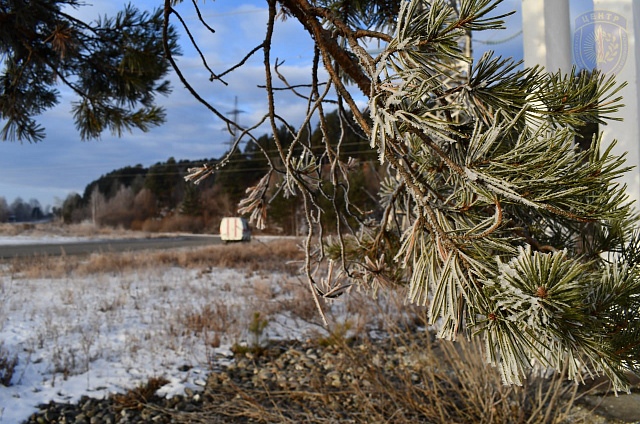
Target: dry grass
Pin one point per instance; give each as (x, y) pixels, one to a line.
(213, 318)
(8, 364)
(428, 382)
(438, 382)
(275, 256)
(138, 397)
(407, 377)
(299, 302)
(172, 223)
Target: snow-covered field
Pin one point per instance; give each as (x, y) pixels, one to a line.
(98, 334)
(16, 240)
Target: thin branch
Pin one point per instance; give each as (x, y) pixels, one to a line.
(366, 33)
(167, 51)
(195, 45)
(243, 61)
(195, 5)
(387, 211)
(487, 232)
(302, 10)
(342, 89)
(291, 87)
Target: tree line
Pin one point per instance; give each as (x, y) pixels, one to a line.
(157, 198)
(22, 211)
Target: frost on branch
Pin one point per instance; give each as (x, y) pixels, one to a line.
(549, 306)
(486, 210)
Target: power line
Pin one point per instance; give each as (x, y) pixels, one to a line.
(222, 170)
(161, 163)
(220, 15)
(492, 42)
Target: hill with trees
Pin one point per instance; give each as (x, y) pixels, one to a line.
(158, 198)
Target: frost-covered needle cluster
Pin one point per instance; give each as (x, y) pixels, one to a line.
(494, 209)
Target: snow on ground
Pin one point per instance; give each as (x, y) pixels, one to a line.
(101, 334)
(15, 240)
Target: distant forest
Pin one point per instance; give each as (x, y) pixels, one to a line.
(24, 211)
(157, 199)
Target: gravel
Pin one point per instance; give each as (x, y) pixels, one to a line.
(285, 382)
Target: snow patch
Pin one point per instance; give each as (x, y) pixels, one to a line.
(104, 334)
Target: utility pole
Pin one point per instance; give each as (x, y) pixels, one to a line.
(234, 130)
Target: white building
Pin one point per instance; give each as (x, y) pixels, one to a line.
(605, 38)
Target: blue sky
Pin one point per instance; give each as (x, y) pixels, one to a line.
(62, 163)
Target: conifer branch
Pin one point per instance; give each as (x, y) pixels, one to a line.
(488, 212)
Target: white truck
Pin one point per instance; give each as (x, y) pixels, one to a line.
(234, 229)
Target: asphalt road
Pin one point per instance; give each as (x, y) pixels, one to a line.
(122, 245)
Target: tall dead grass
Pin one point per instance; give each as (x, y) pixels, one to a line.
(275, 256)
(215, 317)
(406, 379)
(438, 382)
(8, 363)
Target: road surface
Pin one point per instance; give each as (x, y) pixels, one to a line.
(116, 245)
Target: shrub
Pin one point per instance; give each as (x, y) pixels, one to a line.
(8, 365)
